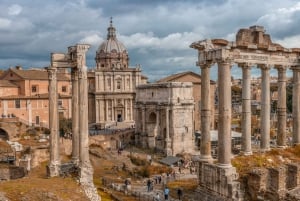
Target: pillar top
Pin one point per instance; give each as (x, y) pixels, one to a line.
(264, 66)
(245, 65)
(281, 67)
(206, 64)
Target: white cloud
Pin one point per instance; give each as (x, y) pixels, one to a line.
(289, 42)
(4, 23)
(15, 9)
(93, 39)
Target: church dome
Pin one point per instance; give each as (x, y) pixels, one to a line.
(112, 53)
(112, 44)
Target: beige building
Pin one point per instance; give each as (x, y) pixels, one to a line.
(164, 117)
(112, 84)
(196, 81)
(24, 94)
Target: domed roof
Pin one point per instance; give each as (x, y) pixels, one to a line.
(111, 44)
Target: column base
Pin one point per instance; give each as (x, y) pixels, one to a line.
(282, 146)
(53, 169)
(224, 165)
(246, 153)
(86, 173)
(262, 150)
(75, 161)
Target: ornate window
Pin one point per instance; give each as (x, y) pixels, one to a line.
(64, 88)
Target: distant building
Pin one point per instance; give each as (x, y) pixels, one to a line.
(164, 117)
(24, 94)
(196, 81)
(113, 83)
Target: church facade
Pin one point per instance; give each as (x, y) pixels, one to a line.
(113, 84)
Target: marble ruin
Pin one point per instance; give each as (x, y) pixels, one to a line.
(252, 48)
(163, 117)
(76, 60)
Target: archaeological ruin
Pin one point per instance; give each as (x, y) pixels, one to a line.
(74, 59)
(252, 48)
(164, 117)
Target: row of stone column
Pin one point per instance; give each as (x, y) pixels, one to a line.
(224, 120)
(80, 145)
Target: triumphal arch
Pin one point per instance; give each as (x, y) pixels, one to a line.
(252, 48)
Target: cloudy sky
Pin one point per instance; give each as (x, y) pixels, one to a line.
(156, 33)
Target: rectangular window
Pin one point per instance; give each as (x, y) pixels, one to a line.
(60, 103)
(118, 84)
(34, 88)
(37, 120)
(64, 88)
(17, 103)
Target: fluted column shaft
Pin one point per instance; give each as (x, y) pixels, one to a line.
(168, 140)
(75, 117)
(83, 117)
(265, 108)
(53, 123)
(224, 128)
(144, 120)
(205, 146)
(296, 105)
(281, 107)
(246, 110)
(157, 122)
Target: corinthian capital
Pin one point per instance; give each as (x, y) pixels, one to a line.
(52, 73)
(264, 66)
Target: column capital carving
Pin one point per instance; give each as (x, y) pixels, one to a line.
(281, 68)
(52, 73)
(224, 61)
(245, 65)
(264, 66)
(206, 65)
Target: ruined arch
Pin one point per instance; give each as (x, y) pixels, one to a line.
(3, 135)
(152, 117)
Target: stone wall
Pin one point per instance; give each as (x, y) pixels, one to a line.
(218, 183)
(8, 172)
(276, 184)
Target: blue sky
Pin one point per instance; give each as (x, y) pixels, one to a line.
(156, 33)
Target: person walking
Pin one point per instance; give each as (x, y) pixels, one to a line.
(179, 193)
(149, 185)
(166, 193)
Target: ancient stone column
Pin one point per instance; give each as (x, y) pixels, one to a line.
(281, 107)
(86, 170)
(143, 120)
(296, 105)
(54, 165)
(168, 141)
(224, 120)
(246, 109)
(75, 117)
(157, 128)
(265, 108)
(205, 146)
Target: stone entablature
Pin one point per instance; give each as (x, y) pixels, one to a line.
(252, 48)
(165, 116)
(166, 93)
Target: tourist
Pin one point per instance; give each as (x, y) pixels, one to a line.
(148, 185)
(157, 197)
(179, 193)
(166, 193)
